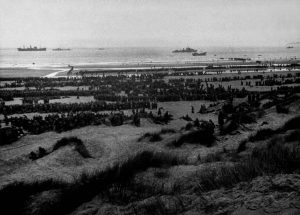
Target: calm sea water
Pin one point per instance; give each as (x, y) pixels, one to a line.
(12, 58)
(83, 56)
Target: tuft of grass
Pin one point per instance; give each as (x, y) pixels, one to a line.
(189, 126)
(212, 157)
(293, 135)
(212, 178)
(282, 109)
(153, 137)
(82, 150)
(291, 124)
(242, 146)
(161, 174)
(229, 126)
(73, 141)
(262, 134)
(160, 205)
(66, 141)
(167, 130)
(156, 136)
(247, 118)
(265, 133)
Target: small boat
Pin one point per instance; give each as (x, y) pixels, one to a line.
(289, 47)
(60, 49)
(199, 54)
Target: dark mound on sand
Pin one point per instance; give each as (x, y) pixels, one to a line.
(153, 137)
(156, 136)
(34, 155)
(199, 136)
(202, 134)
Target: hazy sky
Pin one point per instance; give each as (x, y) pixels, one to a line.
(107, 23)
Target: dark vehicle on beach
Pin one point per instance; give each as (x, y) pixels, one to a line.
(31, 49)
(184, 50)
(199, 54)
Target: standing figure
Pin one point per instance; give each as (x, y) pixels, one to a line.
(221, 118)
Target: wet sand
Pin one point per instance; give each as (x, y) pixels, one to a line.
(54, 74)
(25, 72)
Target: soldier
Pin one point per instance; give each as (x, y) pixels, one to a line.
(221, 118)
(159, 112)
(197, 122)
(136, 120)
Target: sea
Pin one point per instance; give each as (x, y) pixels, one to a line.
(51, 60)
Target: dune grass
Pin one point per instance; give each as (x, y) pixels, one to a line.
(66, 141)
(262, 134)
(83, 189)
(212, 157)
(156, 136)
(14, 196)
(153, 137)
(266, 133)
(276, 158)
(293, 123)
(242, 146)
(167, 130)
(282, 109)
(293, 135)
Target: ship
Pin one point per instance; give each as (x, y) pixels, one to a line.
(184, 50)
(289, 47)
(199, 54)
(31, 49)
(60, 49)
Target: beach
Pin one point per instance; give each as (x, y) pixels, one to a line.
(40, 64)
(166, 135)
(150, 107)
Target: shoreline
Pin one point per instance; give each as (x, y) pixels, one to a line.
(54, 74)
(51, 72)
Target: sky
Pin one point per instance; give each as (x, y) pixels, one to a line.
(156, 23)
